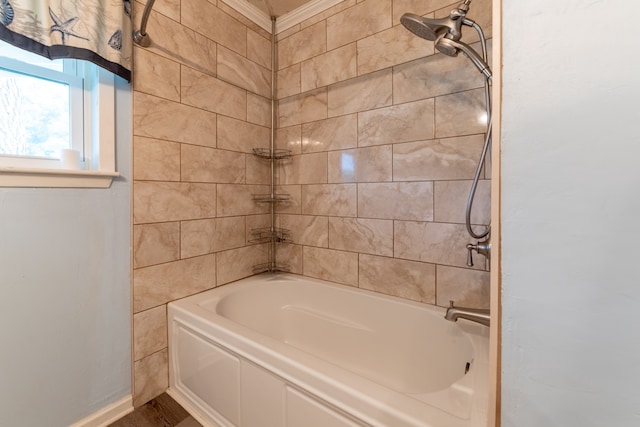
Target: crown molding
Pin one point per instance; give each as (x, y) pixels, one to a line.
(285, 21)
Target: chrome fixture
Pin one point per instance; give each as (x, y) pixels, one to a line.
(446, 34)
(477, 315)
(140, 36)
(482, 248)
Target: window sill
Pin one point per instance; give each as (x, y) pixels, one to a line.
(61, 178)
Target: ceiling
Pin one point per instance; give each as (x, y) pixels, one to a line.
(277, 8)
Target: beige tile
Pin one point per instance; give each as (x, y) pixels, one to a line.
(202, 164)
(331, 265)
(412, 121)
(236, 264)
(258, 110)
(287, 33)
(156, 75)
(466, 288)
(208, 93)
(159, 284)
(237, 199)
(259, 49)
(406, 279)
(164, 201)
(149, 332)
(302, 45)
(201, 237)
(290, 256)
(439, 159)
(370, 164)
(451, 201)
(331, 134)
(390, 47)
(238, 70)
(433, 76)
(159, 118)
(155, 159)
(255, 222)
(331, 67)
(345, 4)
(258, 170)
(151, 377)
(238, 135)
(419, 7)
(432, 242)
(294, 204)
(360, 94)
(170, 8)
(303, 169)
(249, 23)
(358, 22)
(330, 199)
(288, 81)
(461, 113)
(307, 107)
(306, 230)
(411, 201)
(370, 236)
(155, 243)
(205, 18)
(179, 43)
(289, 138)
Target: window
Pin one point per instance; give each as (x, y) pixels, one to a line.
(57, 125)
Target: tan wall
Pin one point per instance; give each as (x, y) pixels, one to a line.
(386, 140)
(201, 103)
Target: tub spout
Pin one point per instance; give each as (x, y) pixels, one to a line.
(473, 314)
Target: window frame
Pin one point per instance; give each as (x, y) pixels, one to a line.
(92, 134)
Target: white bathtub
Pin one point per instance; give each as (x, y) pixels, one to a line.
(290, 351)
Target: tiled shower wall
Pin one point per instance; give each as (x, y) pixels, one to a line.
(386, 137)
(201, 103)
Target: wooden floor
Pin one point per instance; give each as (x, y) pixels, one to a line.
(162, 411)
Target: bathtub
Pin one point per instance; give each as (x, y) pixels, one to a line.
(284, 350)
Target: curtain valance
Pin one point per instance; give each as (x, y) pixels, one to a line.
(94, 30)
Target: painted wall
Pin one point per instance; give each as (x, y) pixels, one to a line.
(570, 203)
(65, 305)
(385, 135)
(201, 104)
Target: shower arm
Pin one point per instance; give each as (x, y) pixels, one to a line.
(140, 36)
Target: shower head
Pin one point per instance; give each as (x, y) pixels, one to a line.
(452, 47)
(425, 28)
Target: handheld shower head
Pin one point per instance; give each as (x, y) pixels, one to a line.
(452, 47)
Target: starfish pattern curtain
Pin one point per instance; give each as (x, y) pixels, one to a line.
(94, 30)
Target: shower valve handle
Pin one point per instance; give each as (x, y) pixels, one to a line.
(483, 248)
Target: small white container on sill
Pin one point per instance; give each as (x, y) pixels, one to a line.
(70, 159)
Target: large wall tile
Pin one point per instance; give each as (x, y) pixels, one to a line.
(370, 164)
(202, 164)
(155, 243)
(294, 204)
(238, 135)
(331, 134)
(307, 107)
(258, 170)
(156, 75)
(151, 377)
(159, 118)
(236, 264)
(390, 47)
(411, 201)
(365, 18)
(289, 138)
(155, 159)
(238, 70)
(418, 7)
(406, 279)
(290, 256)
(259, 49)
(306, 230)
(413, 121)
(439, 159)
(159, 284)
(329, 199)
(331, 265)
(461, 113)
(370, 236)
(288, 81)
(150, 332)
(237, 199)
(303, 169)
(451, 201)
(165, 201)
(205, 18)
(302, 45)
(206, 92)
(331, 67)
(360, 94)
(467, 288)
(204, 236)
(259, 110)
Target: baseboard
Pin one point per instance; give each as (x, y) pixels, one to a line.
(108, 414)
